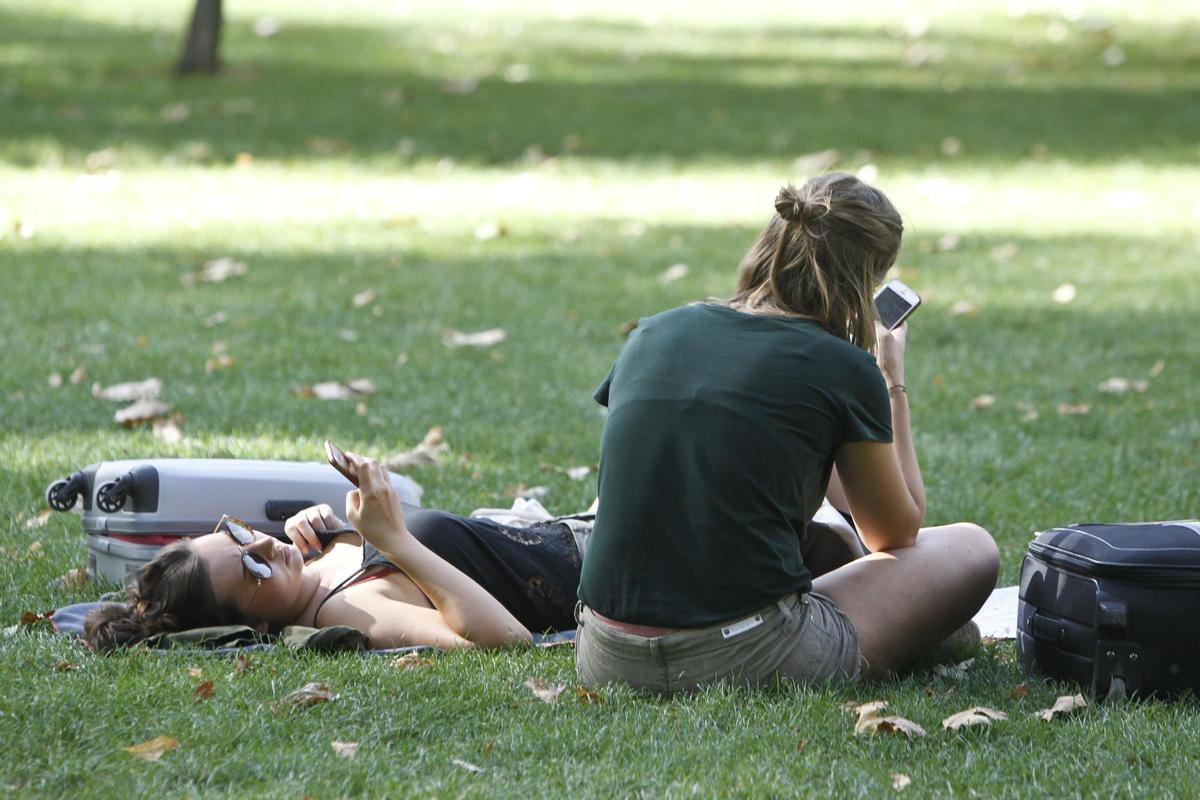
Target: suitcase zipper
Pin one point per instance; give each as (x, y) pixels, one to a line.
(1182, 576)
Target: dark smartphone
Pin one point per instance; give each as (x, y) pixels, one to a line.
(339, 461)
(895, 302)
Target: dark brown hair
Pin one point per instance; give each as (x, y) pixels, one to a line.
(826, 248)
(172, 592)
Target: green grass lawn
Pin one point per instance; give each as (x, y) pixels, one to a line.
(366, 145)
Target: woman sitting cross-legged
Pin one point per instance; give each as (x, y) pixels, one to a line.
(725, 422)
(429, 579)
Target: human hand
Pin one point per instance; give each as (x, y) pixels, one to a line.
(303, 528)
(374, 507)
(889, 352)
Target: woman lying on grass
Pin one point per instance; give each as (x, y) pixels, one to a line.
(431, 579)
(726, 421)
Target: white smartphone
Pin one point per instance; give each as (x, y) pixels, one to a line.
(895, 302)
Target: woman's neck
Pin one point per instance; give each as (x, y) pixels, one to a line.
(766, 308)
(340, 559)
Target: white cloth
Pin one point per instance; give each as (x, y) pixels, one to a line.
(998, 617)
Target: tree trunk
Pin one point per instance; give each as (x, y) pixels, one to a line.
(203, 39)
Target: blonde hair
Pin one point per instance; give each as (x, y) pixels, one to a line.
(827, 247)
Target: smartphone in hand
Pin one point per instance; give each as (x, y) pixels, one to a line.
(895, 302)
(338, 461)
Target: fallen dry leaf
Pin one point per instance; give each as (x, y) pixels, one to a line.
(218, 362)
(869, 720)
(801, 745)
(79, 375)
(578, 473)
(204, 691)
(588, 697)
(243, 664)
(1063, 294)
(964, 308)
(38, 522)
(363, 298)
(347, 750)
(66, 666)
(175, 112)
(330, 390)
(527, 492)
(1069, 410)
(951, 147)
(486, 231)
(195, 672)
(1067, 704)
(364, 387)
(169, 430)
(547, 694)
(141, 412)
(673, 273)
(1114, 385)
(32, 618)
(148, 389)
(1019, 692)
(979, 715)
(893, 725)
(812, 163)
(900, 781)
(410, 661)
(460, 86)
(310, 694)
(632, 230)
(488, 338)
(1157, 369)
(72, 579)
(1005, 251)
(220, 270)
(467, 765)
(984, 401)
(34, 551)
(954, 671)
(948, 242)
(56, 380)
(870, 709)
(1028, 412)
(430, 451)
(335, 390)
(152, 749)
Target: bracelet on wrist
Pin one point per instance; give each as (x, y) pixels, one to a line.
(897, 387)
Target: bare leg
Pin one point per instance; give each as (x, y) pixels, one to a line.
(905, 601)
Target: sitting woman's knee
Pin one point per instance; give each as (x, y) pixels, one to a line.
(983, 558)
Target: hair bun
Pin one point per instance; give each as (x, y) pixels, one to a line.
(788, 204)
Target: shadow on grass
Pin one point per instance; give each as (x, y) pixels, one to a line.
(596, 90)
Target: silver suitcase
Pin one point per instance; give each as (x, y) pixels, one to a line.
(133, 508)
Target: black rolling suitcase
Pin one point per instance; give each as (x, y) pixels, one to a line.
(1113, 607)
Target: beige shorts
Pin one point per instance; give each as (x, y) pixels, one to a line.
(803, 638)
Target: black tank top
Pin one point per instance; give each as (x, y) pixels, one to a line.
(533, 571)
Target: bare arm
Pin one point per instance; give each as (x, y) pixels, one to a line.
(882, 482)
(465, 608)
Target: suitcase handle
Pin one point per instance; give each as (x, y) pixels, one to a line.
(1047, 630)
(279, 510)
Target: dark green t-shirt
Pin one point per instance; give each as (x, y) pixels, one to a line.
(721, 432)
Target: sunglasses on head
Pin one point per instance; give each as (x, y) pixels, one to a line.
(241, 533)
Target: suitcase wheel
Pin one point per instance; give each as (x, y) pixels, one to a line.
(111, 497)
(58, 498)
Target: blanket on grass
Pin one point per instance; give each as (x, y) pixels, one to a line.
(229, 639)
